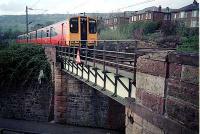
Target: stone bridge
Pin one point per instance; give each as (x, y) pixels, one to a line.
(166, 98)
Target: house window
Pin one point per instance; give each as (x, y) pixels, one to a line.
(182, 15)
(132, 19)
(146, 16)
(175, 16)
(149, 16)
(135, 18)
(138, 17)
(194, 23)
(194, 13)
(115, 19)
(167, 17)
(107, 21)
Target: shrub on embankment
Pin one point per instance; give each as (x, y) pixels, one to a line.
(21, 65)
(129, 31)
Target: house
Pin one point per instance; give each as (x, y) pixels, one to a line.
(117, 19)
(151, 14)
(188, 14)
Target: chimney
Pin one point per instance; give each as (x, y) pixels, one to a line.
(167, 9)
(195, 2)
(159, 8)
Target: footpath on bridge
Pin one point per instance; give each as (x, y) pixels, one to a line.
(49, 128)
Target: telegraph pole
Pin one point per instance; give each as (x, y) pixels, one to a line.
(27, 23)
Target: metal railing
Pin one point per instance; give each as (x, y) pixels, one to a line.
(120, 56)
(104, 53)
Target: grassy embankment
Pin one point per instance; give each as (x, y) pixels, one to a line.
(170, 34)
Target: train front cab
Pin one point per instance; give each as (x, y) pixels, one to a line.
(82, 31)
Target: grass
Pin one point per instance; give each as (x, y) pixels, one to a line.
(189, 44)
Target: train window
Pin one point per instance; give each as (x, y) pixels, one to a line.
(47, 33)
(92, 26)
(38, 34)
(33, 35)
(43, 34)
(53, 32)
(74, 25)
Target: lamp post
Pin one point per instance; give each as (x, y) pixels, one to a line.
(27, 22)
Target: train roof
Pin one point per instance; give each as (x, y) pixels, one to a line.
(60, 22)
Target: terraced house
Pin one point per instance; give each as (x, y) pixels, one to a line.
(188, 15)
(151, 14)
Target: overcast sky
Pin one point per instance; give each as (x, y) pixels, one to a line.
(17, 7)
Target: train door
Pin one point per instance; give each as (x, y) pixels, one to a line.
(83, 21)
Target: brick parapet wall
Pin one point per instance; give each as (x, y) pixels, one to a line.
(167, 85)
(182, 103)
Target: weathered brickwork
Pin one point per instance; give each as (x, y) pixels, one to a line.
(27, 103)
(183, 90)
(76, 103)
(152, 101)
(167, 95)
(183, 112)
(137, 125)
(154, 67)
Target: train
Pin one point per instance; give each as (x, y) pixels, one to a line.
(75, 31)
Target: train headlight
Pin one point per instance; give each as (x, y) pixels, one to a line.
(91, 41)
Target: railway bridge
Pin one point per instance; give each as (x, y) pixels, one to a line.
(118, 85)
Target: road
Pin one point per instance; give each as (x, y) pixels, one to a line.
(48, 128)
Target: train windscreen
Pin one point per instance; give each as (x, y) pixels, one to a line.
(92, 26)
(74, 25)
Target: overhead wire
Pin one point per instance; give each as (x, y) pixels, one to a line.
(132, 5)
(35, 4)
(143, 2)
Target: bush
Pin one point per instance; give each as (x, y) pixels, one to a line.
(21, 64)
(169, 28)
(110, 34)
(184, 31)
(128, 31)
(189, 44)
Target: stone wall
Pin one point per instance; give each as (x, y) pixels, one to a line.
(167, 95)
(33, 102)
(77, 103)
(27, 103)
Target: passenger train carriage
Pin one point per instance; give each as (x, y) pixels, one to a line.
(75, 31)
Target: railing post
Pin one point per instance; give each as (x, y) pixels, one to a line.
(94, 55)
(130, 87)
(104, 66)
(135, 64)
(73, 62)
(94, 64)
(78, 49)
(69, 55)
(87, 57)
(86, 54)
(117, 69)
(65, 61)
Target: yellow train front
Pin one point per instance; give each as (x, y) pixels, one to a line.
(83, 31)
